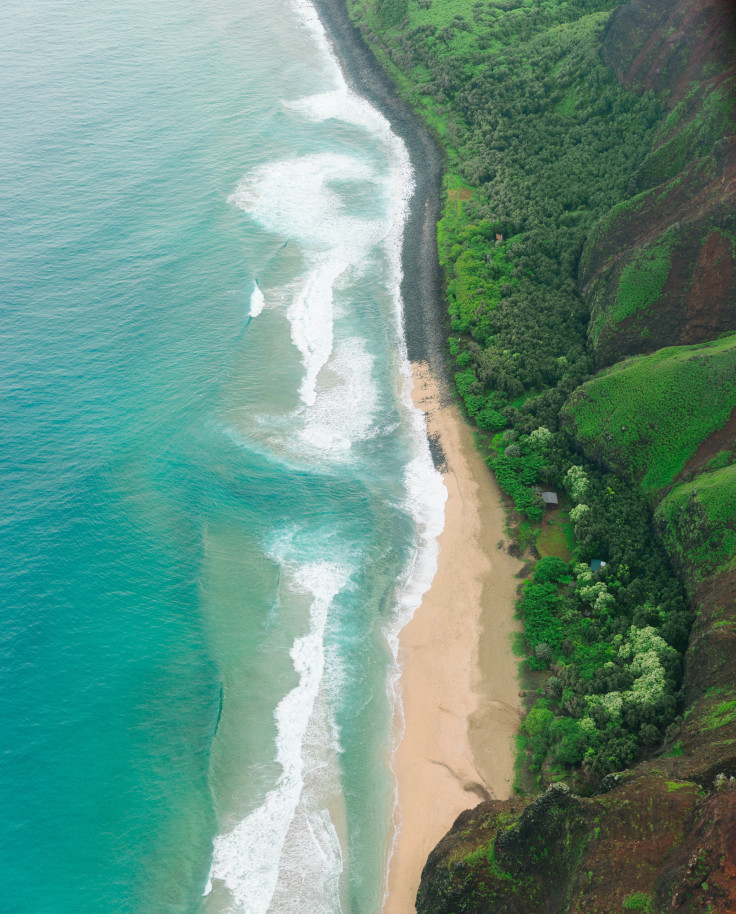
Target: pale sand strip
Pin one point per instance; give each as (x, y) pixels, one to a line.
(459, 680)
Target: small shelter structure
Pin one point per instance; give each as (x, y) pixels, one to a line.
(550, 498)
(597, 564)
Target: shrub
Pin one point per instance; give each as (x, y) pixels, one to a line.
(550, 569)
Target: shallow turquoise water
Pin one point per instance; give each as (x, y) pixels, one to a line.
(217, 502)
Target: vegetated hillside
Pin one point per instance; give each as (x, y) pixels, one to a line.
(659, 268)
(646, 417)
(698, 522)
(601, 129)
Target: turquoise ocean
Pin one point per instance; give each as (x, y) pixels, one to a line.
(218, 505)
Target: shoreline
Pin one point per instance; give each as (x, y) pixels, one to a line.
(422, 285)
(459, 687)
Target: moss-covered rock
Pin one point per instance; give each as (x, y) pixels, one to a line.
(561, 853)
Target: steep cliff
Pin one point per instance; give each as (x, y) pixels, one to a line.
(653, 843)
(659, 268)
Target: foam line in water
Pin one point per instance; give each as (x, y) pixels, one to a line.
(344, 410)
(311, 318)
(296, 199)
(312, 861)
(247, 859)
(257, 301)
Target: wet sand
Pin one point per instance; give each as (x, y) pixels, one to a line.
(459, 682)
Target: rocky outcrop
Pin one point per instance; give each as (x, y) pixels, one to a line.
(564, 853)
(659, 838)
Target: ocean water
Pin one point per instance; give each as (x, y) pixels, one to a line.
(218, 506)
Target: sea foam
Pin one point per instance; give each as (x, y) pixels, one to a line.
(248, 859)
(275, 848)
(426, 493)
(346, 408)
(297, 199)
(257, 301)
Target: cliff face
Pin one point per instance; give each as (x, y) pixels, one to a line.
(659, 269)
(671, 47)
(651, 844)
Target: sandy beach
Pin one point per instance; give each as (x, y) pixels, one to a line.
(459, 682)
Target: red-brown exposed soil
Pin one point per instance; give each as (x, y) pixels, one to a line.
(704, 868)
(698, 301)
(684, 50)
(722, 440)
(668, 46)
(712, 287)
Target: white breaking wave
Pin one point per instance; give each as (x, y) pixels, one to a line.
(345, 410)
(296, 199)
(290, 841)
(311, 315)
(248, 858)
(311, 860)
(426, 493)
(257, 301)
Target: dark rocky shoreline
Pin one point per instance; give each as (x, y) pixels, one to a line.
(422, 286)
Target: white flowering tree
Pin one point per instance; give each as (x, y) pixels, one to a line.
(541, 436)
(595, 594)
(644, 650)
(576, 483)
(578, 512)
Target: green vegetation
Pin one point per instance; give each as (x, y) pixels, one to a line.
(646, 416)
(391, 12)
(643, 277)
(542, 142)
(640, 262)
(558, 180)
(523, 105)
(557, 538)
(722, 714)
(698, 520)
(690, 131)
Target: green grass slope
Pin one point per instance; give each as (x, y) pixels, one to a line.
(645, 417)
(698, 524)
